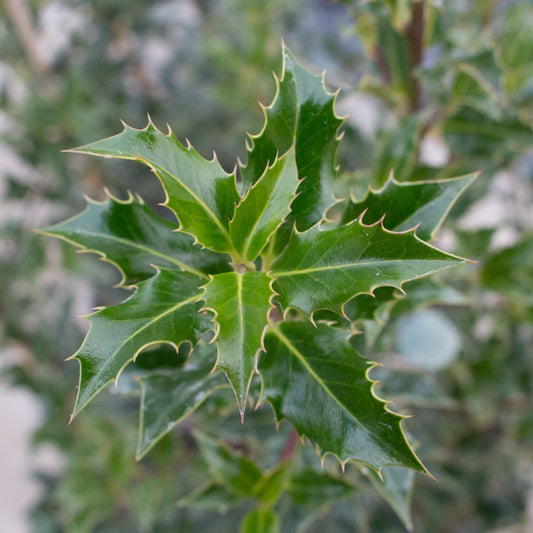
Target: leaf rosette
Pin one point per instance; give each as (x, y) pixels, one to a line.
(249, 267)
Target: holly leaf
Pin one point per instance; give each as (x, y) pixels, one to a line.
(396, 151)
(420, 204)
(162, 309)
(396, 488)
(238, 474)
(317, 381)
(260, 521)
(133, 238)
(168, 396)
(241, 303)
(326, 268)
(264, 207)
(198, 191)
(301, 114)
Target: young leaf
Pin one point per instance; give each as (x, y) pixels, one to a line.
(168, 396)
(316, 380)
(131, 236)
(200, 192)
(241, 303)
(274, 484)
(301, 114)
(318, 489)
(406, 205)
(260, 521)
(163, 309)
(326, 268)
(264, 207)
(237, 473)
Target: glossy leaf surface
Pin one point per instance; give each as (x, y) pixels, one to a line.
(132, 237)
(241, 303)
(168, 396)
(316, 380)
(302, 115)
(406, 205)
(200, 192)
(163, 309)
(326, 268)
(264, 207)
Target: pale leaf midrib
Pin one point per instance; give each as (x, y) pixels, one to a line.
(317, 378)
(279, 274)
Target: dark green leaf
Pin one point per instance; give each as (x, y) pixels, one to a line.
(241, 303)
(260, 521)
(200, 192)
(167, 397)
(163, 309)
(237, 473)
(302, 115)
(133, 238)
(264, 207)
(424, 204)
(316, 380)
(326, 268)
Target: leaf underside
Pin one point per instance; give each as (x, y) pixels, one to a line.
(316, 380)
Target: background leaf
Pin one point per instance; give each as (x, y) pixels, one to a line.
(237, 473)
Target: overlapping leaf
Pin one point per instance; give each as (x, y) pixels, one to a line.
(168, 396)
(302, 115)
(316, 380)
(132, 237)
(396, 487)
(326, 268)
(200, 192)
(264, 207)
(241, 303)
(163, 309)
(406, 205)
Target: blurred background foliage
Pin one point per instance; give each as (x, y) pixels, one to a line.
(433, 89)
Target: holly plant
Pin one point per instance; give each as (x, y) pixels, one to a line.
(261, 264)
